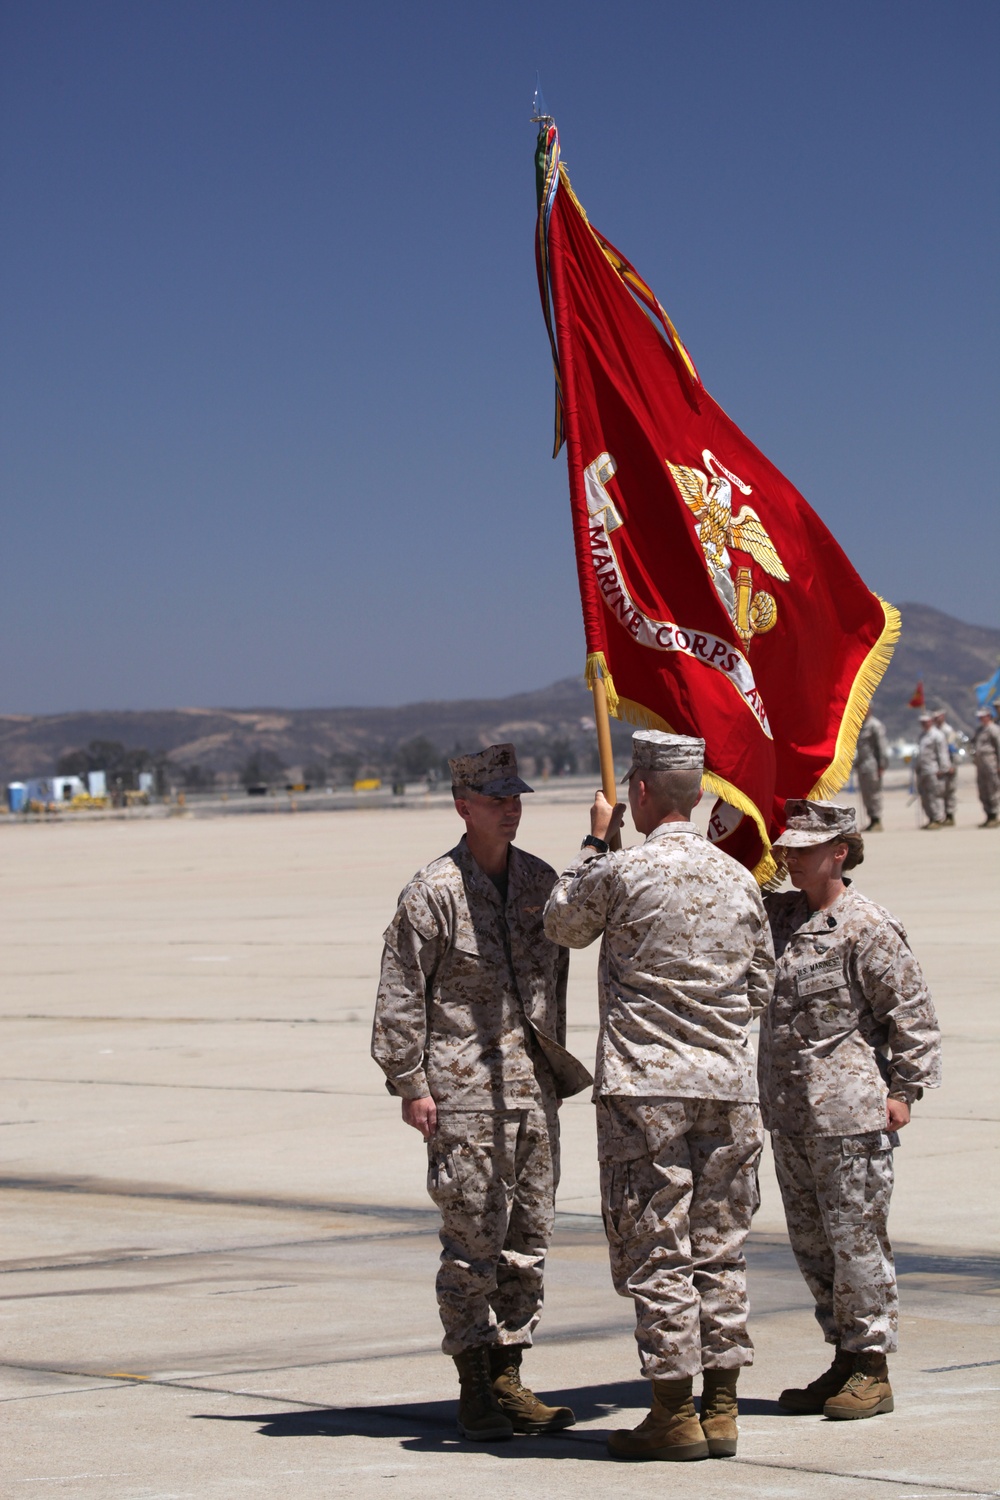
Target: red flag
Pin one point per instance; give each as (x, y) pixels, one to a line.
(918, 700)
(715, 601)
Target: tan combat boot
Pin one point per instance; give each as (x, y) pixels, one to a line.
(809, 1400)
(670, 1432)
(522, 1407)
(479, 1414)
(718, 1412)
(866, 1393)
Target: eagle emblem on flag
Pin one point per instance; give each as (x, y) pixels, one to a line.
(709, 496)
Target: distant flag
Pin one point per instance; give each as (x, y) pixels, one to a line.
(988, 693)
(715, 601)
(918, 700)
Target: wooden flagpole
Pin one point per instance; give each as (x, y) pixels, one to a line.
(603, 721)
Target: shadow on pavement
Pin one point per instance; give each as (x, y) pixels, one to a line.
(427, 1426)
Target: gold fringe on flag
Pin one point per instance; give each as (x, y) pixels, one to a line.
(642, 718)
(597, 667)
(765, 870)
(858, 703)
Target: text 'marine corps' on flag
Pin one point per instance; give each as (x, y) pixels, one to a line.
(715, 601)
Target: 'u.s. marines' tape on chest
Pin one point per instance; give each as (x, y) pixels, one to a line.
(826, 973)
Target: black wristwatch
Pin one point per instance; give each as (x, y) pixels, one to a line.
(593, 842)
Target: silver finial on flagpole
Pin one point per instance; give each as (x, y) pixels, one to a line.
(539, 112)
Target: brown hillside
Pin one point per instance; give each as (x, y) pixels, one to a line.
(950, 657)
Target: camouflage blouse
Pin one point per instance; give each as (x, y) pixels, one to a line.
(850, 1021)
(471, 1005)
(685, 962)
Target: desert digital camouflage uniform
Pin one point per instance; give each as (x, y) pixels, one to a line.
(933, 763)
(871, 759)
(850, 1021)
(950, 780)
(471, 1009)
(986, 754)
(685, 962)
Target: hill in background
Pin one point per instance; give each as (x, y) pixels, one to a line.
(552, 727)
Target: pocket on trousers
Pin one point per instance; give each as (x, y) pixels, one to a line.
(626, 1188)
(462, 1175)
(864, 1163)
(442, 1178)
(746, 1189)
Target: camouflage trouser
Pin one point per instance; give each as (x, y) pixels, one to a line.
(836, 1192)
(679, 1188)
(988, 783)
(931, 788)
(493, 1175)
(870, 783)
(950, 792)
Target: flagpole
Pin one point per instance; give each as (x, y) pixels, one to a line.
(603, 721)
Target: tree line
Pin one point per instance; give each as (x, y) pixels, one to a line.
(414, 759)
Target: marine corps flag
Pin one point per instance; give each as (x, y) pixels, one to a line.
(715, 601)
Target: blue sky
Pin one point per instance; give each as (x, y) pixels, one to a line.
(277, 399)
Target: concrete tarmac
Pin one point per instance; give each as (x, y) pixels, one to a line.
(215, 1231)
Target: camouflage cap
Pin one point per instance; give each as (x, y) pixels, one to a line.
(491, 772)
(814, 823)
(652, 750)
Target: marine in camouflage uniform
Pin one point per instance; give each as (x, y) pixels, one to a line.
(847, 1044)
(471, 1020)
(870, 761)
(986, 754)
(685, 962)
(933, 765)
(950, 781)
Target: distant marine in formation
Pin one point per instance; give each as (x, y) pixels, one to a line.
(871, 761)
(986, 755)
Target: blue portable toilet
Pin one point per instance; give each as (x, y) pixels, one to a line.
(17, 795)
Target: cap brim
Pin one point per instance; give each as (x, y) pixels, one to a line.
(794, 838)
(505, 786)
